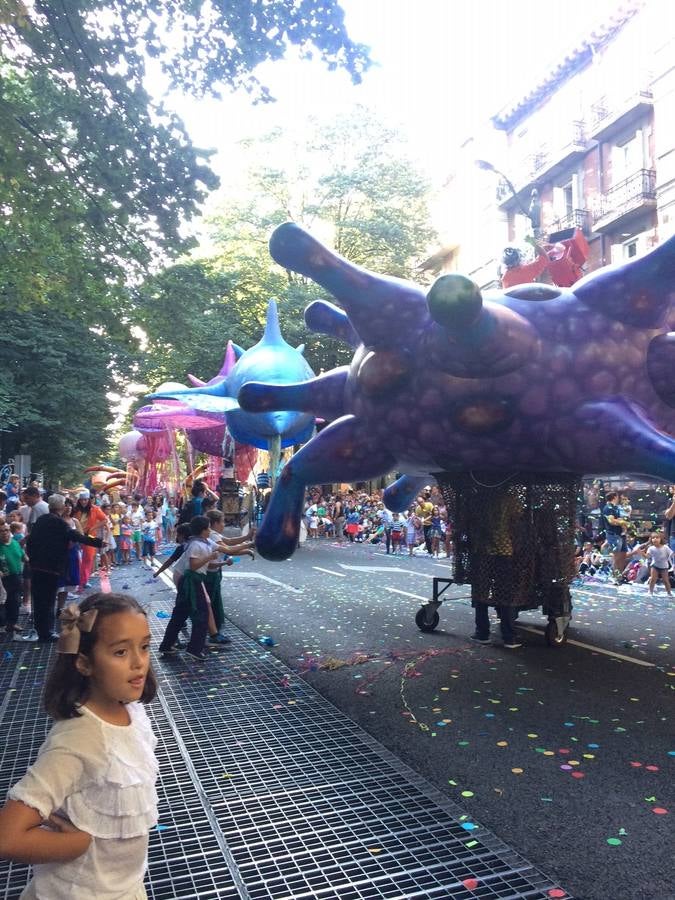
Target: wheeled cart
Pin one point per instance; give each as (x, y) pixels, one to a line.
(427, 617)
(515, 533)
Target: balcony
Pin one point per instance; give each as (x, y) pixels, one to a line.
(609, 116)
(625, 200)
(576, 218)
(548, 162)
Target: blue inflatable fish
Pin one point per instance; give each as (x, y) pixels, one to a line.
(271, 360)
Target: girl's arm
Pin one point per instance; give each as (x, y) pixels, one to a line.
(22, 839)
(232, 549)
(239, 539)
(198, 561)
(175, 556)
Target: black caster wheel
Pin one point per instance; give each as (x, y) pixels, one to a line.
(424, 623)
(553, 639)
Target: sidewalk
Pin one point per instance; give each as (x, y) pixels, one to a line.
(268, 791)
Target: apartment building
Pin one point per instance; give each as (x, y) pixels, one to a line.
(596, 138)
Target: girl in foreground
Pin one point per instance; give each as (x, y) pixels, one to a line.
(81, 814)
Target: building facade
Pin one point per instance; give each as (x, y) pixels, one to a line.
(596, 139)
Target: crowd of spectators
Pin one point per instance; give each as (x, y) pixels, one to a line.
(627, 551)
(360, 517)
(50, 544)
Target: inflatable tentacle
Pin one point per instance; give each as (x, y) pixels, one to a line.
(345, 440)
(322, 396)
(399, 495)
(633, 293)
(371, 301)
(327, 318)
(661, 366)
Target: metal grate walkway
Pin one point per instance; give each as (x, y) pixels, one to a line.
(268, 791)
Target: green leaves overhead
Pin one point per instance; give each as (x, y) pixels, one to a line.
(96, 173)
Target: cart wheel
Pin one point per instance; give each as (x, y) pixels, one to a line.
(553, 639)
(424, 623)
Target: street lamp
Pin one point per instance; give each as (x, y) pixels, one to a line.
(534, 212)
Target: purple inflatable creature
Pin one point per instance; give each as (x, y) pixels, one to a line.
(532, 379)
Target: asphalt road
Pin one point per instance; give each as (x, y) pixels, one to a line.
(567, 753)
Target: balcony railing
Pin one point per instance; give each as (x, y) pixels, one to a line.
(605, 110)
(549, 159)
(575, 218)
(627, 195)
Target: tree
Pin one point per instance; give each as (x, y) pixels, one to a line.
(55, 375)
(97, 177)
(351, 183)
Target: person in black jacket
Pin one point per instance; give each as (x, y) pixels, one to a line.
(47, 549)
(194, 507)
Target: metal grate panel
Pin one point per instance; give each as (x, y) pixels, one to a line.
(268, 791)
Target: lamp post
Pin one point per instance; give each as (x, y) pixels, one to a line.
(534, 212)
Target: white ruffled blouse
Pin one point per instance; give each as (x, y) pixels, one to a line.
(102, 778)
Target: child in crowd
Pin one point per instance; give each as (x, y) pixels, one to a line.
(235, 545)
(115, 524)
(411, 526)
(12, 559)
(397, 533)
(149, 533)
(137, 517)
(353, 521)
(313, 526)
(126, 536)
(93, 782)
(192, 600)
(18, 530)
(436, 533)
(659, 558)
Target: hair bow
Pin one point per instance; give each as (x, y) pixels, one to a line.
(73, 623)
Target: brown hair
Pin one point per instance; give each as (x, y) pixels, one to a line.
(215, 515)
(65, 687)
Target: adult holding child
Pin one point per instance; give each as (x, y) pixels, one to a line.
(47, 548)
(615, 527)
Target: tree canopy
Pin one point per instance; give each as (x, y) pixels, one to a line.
(350, 183)
(97, 176)
(53, 383)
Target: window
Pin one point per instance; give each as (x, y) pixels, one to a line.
(627, 158)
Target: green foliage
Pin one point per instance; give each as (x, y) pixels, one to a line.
(97, 180)
(97, 177)
(351, 184)
(55, 375)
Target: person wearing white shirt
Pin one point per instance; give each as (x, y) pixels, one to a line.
(93, 782)
(659, 558)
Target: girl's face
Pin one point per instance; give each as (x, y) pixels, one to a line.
(435, 511)
(657, 540)
(119, 660)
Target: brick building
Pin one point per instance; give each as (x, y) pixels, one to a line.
(596, 138)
